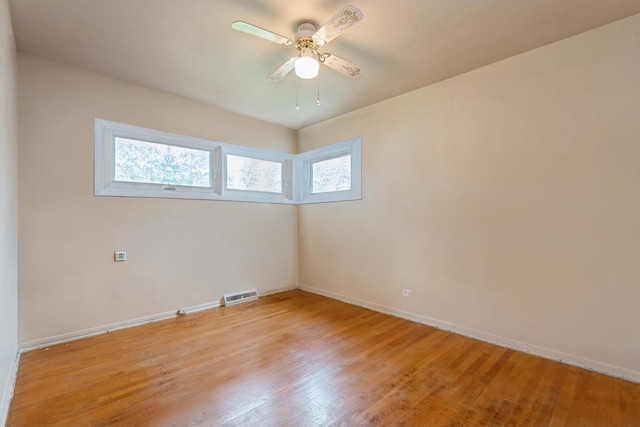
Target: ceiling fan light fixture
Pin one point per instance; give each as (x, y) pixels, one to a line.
(307, 66)
(308, 39)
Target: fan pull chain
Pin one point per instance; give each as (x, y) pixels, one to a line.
(318, 98)
(297, 105)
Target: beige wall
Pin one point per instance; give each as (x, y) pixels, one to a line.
(506, 198)
(181, 253)
(8, 210)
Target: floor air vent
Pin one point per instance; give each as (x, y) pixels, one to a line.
(237, 298)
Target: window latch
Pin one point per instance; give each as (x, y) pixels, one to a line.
(168, 187)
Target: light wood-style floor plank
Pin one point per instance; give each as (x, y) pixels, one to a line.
(299, 359)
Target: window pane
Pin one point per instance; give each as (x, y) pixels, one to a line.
(331, 175)
(148, 162)
(245, 173)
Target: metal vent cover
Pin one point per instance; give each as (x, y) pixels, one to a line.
(237, 298)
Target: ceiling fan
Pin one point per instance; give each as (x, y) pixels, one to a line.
(307, 41)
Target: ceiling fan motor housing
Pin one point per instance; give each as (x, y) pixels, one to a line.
(304, 42)
(305, 30)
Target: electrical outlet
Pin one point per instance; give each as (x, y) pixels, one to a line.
(407, 293)
(120, 256)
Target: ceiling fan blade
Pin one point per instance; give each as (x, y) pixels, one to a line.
(283, 70)
(339, 64)
(260, 32)
(344, 19)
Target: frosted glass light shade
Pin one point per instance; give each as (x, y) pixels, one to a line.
(307, 67)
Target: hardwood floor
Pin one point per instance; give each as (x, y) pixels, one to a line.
(299, 359)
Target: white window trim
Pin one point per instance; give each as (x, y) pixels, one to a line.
(296, 168)
(305, 161)
(105, 185)
(258, 196)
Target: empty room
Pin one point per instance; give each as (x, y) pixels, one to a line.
(327, 212)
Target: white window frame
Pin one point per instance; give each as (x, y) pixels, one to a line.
(258, 196)
(352, 147)
(105, 185)
(296, 170)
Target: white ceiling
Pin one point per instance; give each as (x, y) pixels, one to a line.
(188, 48)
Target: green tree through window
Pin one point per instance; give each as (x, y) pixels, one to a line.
(147, 162)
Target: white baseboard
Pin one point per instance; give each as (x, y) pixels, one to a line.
(277, 291)
(7, 393)
(201, 307)
(570, 359)
(72, 336)
(611, 370)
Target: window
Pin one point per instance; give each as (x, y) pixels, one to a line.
(152, 163)
(331, 173)
(248, 174)
(254, 175)
(137, 162)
